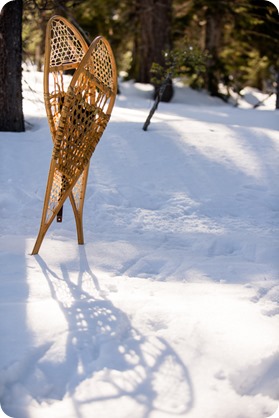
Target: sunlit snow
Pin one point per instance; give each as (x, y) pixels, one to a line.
(171, 308)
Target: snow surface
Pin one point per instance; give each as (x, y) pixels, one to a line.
(171, 308)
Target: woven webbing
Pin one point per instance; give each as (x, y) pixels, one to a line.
(80, 128)
(59, 185)
(101, 66)
(65, 46)
(66, 49)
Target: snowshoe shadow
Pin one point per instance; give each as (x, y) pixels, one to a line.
(106, 356)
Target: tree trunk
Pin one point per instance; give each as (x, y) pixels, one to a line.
(152, 36)
(11, 113)
(213, 40)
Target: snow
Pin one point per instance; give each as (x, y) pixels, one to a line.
(171, 308)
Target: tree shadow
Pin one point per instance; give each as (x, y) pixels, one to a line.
(14, 331)
(260, 378)
(103, 350)
(269, 296)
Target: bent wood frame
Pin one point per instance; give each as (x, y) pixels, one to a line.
(77, 117)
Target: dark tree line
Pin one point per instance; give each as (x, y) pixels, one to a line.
(240, 37)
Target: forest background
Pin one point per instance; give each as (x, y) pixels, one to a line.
(239, 40)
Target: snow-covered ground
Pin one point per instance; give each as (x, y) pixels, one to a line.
(171, 308)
